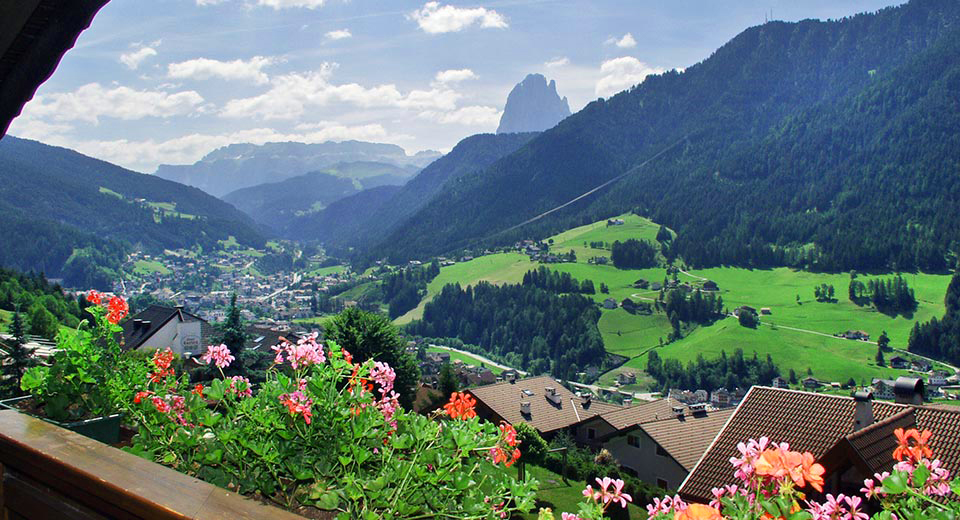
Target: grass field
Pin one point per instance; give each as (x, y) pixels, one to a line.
(499, 268)
(315, 320)
(327, 271)
(466, 358)
(145, 267)
(633, 335)
(108, 191)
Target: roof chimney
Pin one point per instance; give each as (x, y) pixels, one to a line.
(678, 411)
(585, 399)
(552, 395)
(137, 323)
(863, 409)
(908, 390)
(525, 407)
(145, 324)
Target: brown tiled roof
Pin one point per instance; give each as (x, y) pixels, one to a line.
(643, 413)
(807, 421)
(504, 400)
(687, 439)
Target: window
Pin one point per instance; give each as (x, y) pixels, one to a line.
(633, 440)
(591, 433)
(662, 452)
(662, 484)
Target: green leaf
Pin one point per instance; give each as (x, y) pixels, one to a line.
(213, 457)
(344, 460)
(920, 476)
(33, 379)
(895, 484)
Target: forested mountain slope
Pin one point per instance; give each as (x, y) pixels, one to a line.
(810, 104)
(54, 201)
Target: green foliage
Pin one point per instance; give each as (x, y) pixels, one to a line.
(42, 322)
(448, 381)
(555, 281)
(748, 318)
(27, 291)
(539, 331)
(19, 358)
(76, 384)
(730, 372)
(402, 290)
(311, 435)
(534, 447)
(371, 336)
(633, 254)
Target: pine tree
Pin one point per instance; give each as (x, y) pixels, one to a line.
(448, 381)
(233, 335)
(880, 361)
(21, 358)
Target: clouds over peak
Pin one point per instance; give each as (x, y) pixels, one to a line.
(204, 68)
(434, 18)
(559, 61)
(622, 73)
(290, 96)
(626, 42)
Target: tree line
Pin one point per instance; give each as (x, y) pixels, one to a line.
(940, 338)
(556, 281)
(729, 372)
(543, 331)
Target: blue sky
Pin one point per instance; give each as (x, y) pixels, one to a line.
(167, 81)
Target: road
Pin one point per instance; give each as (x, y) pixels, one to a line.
(296, 280)
(481, 358)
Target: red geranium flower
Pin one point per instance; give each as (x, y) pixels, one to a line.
(117, 308)
(94, 297)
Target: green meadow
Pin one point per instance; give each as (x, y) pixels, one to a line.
(145, 267)
(633, 335)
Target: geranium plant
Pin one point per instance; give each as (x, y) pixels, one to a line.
(773, 480)
(76, 384)
(324, 431)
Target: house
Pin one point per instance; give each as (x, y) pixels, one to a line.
(626, 378)
(720, 398)
(160, 327)
(899, 362)
(661, 441)
(615, 222)
(655, 286)
(641, 284)
(857, 334)
(609, 303)
(938, 379)
(540, 402)
(744, 308)
(810, 382)
(851, 436)
(710, 285)
(765, 311)
(883, 388)
(920, 365)
(701, 396)
(779, 382)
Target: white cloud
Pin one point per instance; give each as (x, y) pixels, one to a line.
(454, 76)
(621, 73)
(469, 116)
(557, 62)
(133, 59)
(339, 34)
(291, 94)
(92, 101)
(434, 18)
(204, 68)
(627, 42)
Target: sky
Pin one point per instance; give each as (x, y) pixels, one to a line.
(167, 81)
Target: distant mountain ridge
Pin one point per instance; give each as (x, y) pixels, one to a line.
(276, 204)
(243, 165)
(360, 220)
(766, 153)
(55, 202)
(533, 106)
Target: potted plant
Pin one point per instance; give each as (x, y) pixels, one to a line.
(74, 389)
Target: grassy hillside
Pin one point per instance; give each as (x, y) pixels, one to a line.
(631, 335)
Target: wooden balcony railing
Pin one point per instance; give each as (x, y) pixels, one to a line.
(49, 472)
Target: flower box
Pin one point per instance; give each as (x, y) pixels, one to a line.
(104, 429)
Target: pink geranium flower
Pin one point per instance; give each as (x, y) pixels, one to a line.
(220, 355)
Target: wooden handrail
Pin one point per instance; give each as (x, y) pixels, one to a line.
(50, 472)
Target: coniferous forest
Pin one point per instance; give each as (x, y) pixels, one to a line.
(534, 329)
(731, 372)
(940, 338)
